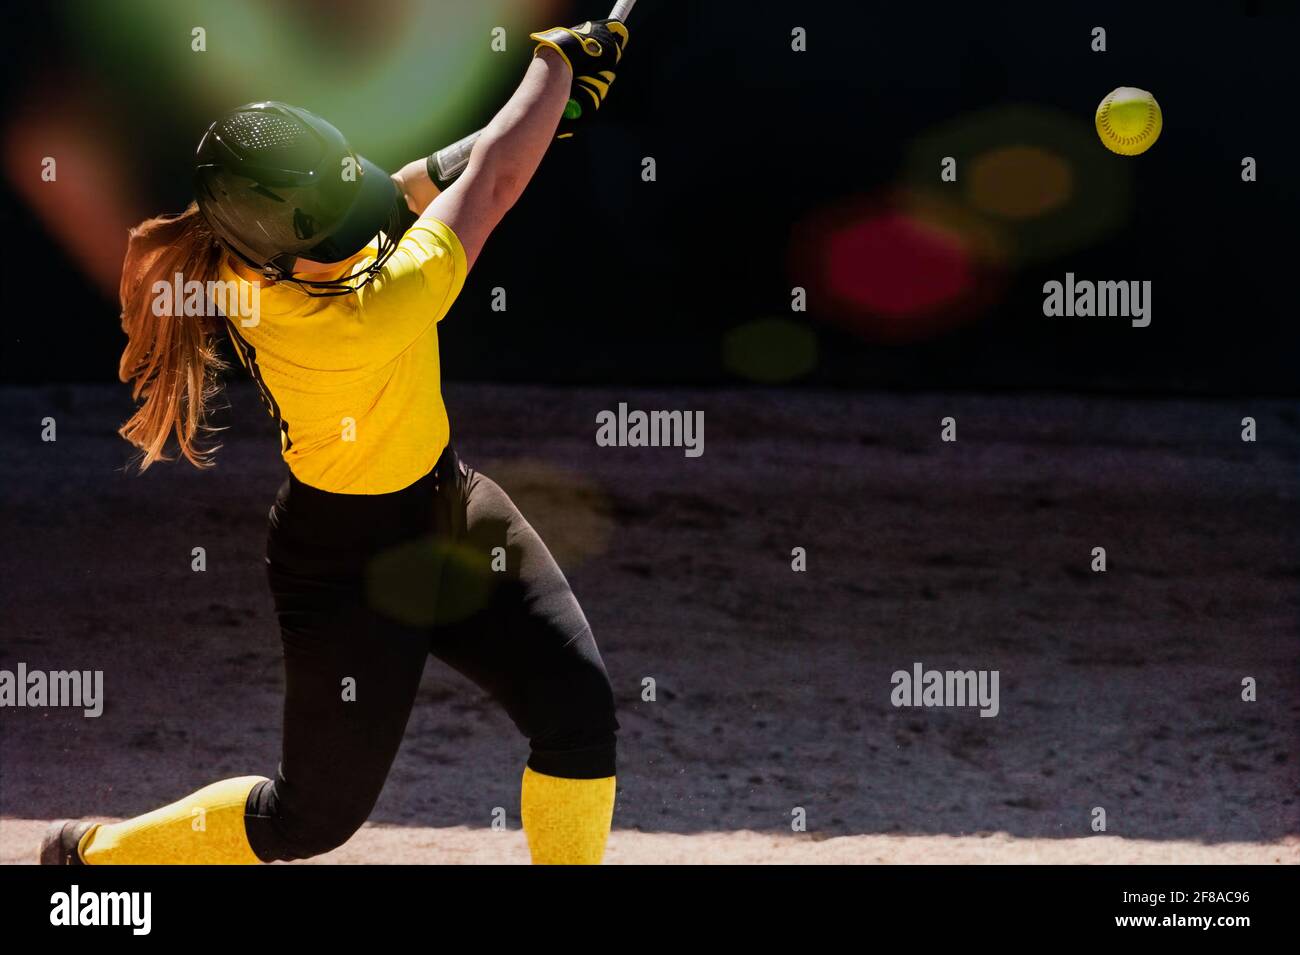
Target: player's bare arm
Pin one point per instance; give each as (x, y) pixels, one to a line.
(506, 155)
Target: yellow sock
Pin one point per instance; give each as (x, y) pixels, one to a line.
(566, 820)
(206, 828)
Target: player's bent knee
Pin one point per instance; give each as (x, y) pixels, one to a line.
(580, 739)
(281, 831)
(323, 833)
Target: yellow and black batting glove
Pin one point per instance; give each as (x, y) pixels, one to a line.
(592, 51)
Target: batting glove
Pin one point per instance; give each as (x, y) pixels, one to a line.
(592, 51)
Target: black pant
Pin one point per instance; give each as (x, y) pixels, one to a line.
(366, 586)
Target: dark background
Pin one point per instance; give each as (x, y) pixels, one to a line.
(612, 280)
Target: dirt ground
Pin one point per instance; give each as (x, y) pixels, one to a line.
(1119, 690)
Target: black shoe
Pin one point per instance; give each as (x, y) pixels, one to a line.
(59, 847)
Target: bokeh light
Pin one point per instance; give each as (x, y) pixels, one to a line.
(402, 582)
(92, 200)
(896, 264)
(1034, 174)
(359, 65)
(1019, 182)
(570, 510)
(899, 269)
(933, 254)
(770, 350)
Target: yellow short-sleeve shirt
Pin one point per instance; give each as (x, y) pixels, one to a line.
(354, 380)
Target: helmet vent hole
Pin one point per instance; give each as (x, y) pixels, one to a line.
(262, 131)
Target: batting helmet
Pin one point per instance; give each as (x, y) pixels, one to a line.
(277, 183)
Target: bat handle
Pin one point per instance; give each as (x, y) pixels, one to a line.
(450, 161)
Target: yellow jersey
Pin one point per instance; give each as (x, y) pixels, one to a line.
(354, 380)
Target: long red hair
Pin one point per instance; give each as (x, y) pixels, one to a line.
(170, 359)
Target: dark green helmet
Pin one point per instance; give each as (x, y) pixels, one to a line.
(277, 183)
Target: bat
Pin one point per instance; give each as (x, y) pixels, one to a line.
(450, 161)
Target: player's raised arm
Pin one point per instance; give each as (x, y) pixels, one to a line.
(506, 156)
(575, 64)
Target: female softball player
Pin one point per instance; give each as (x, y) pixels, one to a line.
(383, 546)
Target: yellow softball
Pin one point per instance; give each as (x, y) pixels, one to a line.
(1129, 121)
